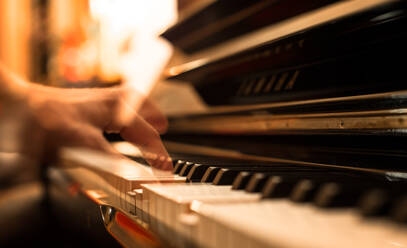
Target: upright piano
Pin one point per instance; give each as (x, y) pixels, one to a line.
(301, 143)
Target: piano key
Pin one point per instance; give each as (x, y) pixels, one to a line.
(131, 202)
(241, 180)
(399, 210)
(256, 182)
(338, 195)
(153, 204)
(277, 187)
(225, 176)
(113, 176)
(374, 202)
(287, 171)
(178, 166)
(139, 204)
(188, 228)
(145, 208)
(282, 223)
(380, 199)
(185, 169)
(168, 201)
(210, 174)
(304, 190)
(197, 172)
(326, 195)
(205, 235)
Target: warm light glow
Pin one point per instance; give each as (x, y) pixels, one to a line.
(129, 44)
(15, 28)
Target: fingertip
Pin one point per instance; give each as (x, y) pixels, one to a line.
(162, 129)
(166, 163)
(166, 166)
(159, 162)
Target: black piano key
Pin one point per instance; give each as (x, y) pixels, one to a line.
(304, 190)
(178, 166)
(382, 199)
(399, 210)
(197, 172)
(212, 171)
(226, 176)
(374, 202)
(210, 174)
(278, 186)
(186, 168)
(174, 161)
(241, 180)
(256, 183)
(317, 184)
(338, 194)
(326, 195)
(282, 183)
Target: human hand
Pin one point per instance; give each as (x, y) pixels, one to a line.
(60, 117)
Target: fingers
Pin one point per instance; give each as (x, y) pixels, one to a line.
(142, 106)
(142, 134)
(115, 113)
(117, 102)
(77, 135)
(152, 114)
(86, 136)
(94, 139)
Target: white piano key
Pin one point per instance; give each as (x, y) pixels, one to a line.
(169, 201)
(145, 207)
(281, 223)
(139, 202)
(222, 236)
(131, 202)
(124, 193)
(237, 239)
(157, 201)
(116, 176)
(121, 194)
(187, 229)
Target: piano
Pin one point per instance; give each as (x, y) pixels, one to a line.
(301, 142)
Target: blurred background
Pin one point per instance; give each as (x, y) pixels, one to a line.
(88, 43)
(78, 43)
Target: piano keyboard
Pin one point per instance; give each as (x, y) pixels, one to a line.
(299, 142)
(212, 202)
